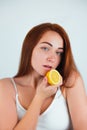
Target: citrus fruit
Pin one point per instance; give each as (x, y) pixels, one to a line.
(53, 77)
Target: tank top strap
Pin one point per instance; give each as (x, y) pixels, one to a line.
(14, 84)
(58, 94)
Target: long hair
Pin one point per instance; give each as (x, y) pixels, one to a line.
(67, 63)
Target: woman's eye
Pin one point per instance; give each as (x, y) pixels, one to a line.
(45, 48)
(59, 53)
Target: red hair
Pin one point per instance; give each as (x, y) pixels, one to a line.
(67, 64)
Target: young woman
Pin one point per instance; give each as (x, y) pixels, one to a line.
(28, 102)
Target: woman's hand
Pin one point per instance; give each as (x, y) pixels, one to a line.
(44, 90)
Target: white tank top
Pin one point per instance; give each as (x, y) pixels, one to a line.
(55, 117)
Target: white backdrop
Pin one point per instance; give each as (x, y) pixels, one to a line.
(18, 16)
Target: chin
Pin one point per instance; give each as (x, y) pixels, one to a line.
(42, 74)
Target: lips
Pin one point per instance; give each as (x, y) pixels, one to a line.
(48, 67)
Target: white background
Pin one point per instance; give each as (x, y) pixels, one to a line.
(17, 17)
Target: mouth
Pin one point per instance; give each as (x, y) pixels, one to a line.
(47, 67)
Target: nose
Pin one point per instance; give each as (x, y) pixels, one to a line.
(52, 57)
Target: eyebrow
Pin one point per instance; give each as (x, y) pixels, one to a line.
(52, 45)
(47, 43)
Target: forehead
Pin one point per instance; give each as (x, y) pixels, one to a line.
(52, 37)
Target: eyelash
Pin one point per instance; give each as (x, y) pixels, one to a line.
(59, 53)
(47, 49)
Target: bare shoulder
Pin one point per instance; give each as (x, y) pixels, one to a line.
(7, 91)
(6, 86)
(4, 81)
(74, 84)
(77, 89)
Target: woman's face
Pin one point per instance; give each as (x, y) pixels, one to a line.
(47, 53)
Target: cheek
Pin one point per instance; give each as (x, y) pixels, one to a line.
(36, 58)
(58, 61)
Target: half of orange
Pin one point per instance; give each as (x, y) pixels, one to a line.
(53, 77)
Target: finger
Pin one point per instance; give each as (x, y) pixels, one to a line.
(53, 90)
(44, 81)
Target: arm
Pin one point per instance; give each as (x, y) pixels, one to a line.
(8, 115)
(29, 121)
(77, 102)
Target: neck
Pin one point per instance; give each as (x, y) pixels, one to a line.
(32, 80)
